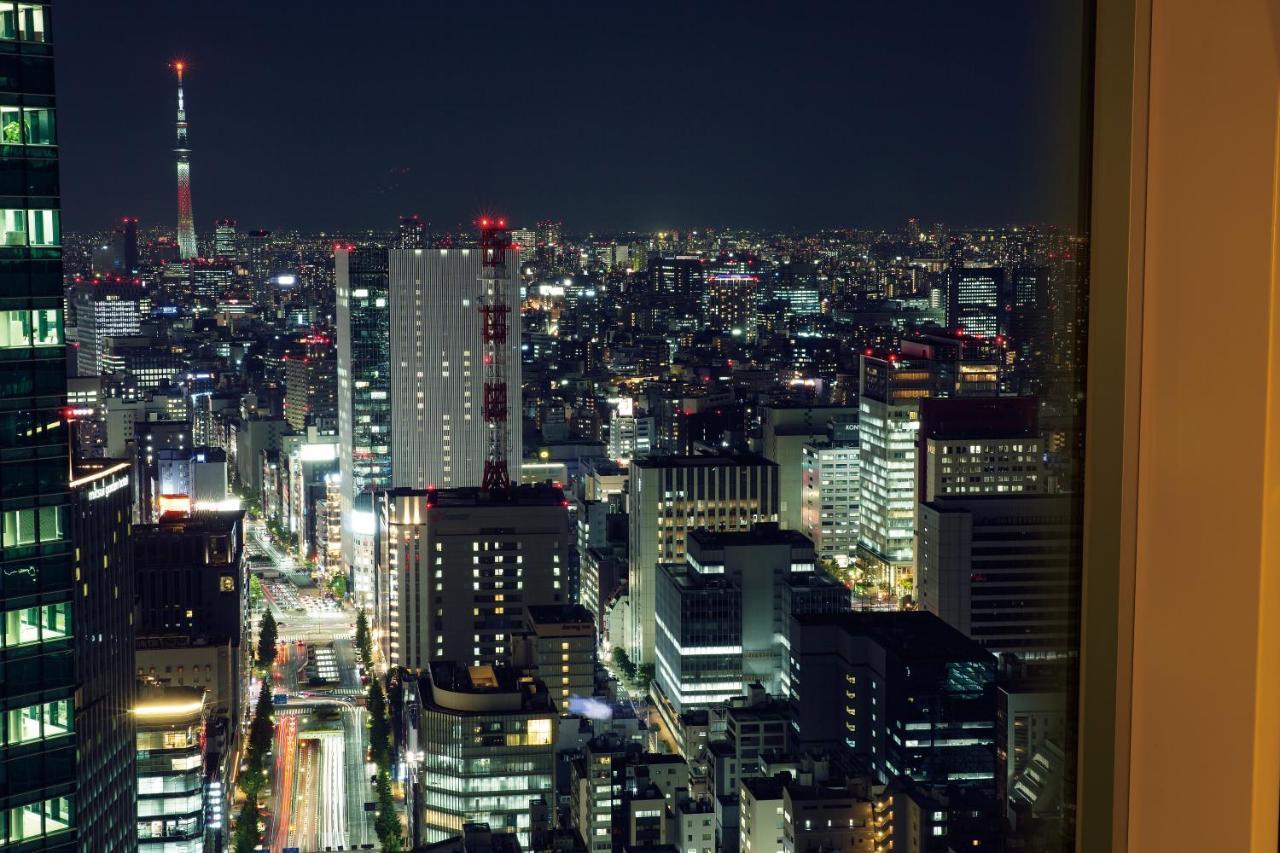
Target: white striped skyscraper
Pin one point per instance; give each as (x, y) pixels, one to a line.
(437, 369)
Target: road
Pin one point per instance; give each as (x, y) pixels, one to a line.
(320, 781)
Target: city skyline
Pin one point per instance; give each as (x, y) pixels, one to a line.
(951, 136)
(620, 428)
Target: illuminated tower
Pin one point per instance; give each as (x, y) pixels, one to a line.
(186, 223)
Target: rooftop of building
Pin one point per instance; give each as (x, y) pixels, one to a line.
(551, 618)
(763, 533)
(684, 577)
(603, 467)
(475, 838)
(533, 494)
(916, 634)
(711, 460)
(200, 521)
(695, 805)
(775, 710)
(766, 787)
(486, 689)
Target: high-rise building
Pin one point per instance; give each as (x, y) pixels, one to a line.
(364, 404)
(38, 796)
(557, 645)
(105, 308)
(489, 742)
(439, 438)
(631, 436)
(171, 775)
(101, 523)
(903, 692)
(1031, 326)
(211, 279)
(458, 567)
(890, 392)
(723, 618)
(974, 299)
(680, 275)
(786, 430)
(672, 495)
(999, 568)
(979, 446)
(549, 234)
(698, 649)
(193, 606)
(186, 221)
(124, 246)
(780, 813)
(730, 293)
(831, 492)
(412, 233)
(226, 241)
(259, 260)
(619, 795)
(311, 386)
(525, 242)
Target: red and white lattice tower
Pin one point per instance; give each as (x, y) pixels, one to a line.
(186, 221)
(494, 312)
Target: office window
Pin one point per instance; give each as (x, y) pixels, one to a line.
(38, 722)
(38, 820)
(24, 328)
(23, 21)
(29, 625)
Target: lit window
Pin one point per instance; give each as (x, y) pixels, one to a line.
(22, 21)
(539, 732)
(38, 820)
(43, 228)
(38, 722)
(23, 328)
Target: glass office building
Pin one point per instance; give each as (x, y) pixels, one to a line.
(488, 744)
(38, 796)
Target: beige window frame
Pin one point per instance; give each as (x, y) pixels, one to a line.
(1180, 654)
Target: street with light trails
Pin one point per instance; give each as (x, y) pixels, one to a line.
(319, 780)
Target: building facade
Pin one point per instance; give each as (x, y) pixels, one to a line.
(890, 392)
(107, 308)
(903, 692)
(831, 493)
(457, 567)
(1002, 569)
(171, 770)
(37, 633)
(101, 522)
(672, 495)
(439, 438)
(364, 404)
(489, 749)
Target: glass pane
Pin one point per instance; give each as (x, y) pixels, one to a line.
(15, 331)
(13, 227)
(43, 227)
(39, 127)
(11, 125)
(8, 21)
(31, 22)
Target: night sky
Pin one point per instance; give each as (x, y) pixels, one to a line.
(606, 115)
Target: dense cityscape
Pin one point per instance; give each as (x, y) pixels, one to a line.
(500, 536)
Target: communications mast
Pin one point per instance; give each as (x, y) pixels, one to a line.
(494, 311)
(186, 222)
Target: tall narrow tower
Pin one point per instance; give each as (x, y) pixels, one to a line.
(186, 223)
(494, 309)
